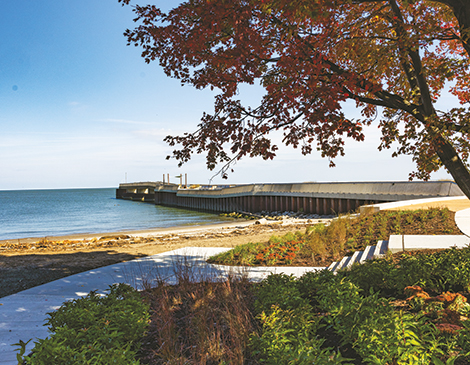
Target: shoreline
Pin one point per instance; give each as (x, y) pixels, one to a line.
(224, 227)
(157, 231)
(453, 205)
(25, 265)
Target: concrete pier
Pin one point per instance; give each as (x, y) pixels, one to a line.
(310, 197)
(140, 191)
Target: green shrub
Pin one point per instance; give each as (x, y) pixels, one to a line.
(442, 271)
(379, 333)
(311, 282)
(280, 290)
(95, 330)
(290, 337)
(293, 314)
(288, 326)
(379, 275)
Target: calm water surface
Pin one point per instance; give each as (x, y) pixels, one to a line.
(41, 213)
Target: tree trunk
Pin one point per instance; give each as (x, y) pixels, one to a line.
(453, 164)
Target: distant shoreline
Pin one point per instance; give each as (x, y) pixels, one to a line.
(158, 231)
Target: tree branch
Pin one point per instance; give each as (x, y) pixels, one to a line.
(417, 80)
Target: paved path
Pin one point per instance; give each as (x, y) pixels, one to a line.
(22, 315)
(462, 219)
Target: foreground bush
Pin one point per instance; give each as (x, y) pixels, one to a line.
(289, 326)
(378, 333)
(353, 317)
(95, 330)
(302, 319)
(438, 272)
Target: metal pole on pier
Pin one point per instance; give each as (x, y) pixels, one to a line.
(180, 176)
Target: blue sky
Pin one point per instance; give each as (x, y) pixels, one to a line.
(79, 108)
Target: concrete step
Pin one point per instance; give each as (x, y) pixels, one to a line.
(369, 253)
(355, 258)
(342, 263)
(332, 266)
(381, 249)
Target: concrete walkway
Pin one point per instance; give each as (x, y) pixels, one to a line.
(22, 315)
(462, 219)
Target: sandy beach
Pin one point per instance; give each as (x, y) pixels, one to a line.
(29, 262)
(135, 233)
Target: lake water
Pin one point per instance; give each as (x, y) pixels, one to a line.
(42, 213)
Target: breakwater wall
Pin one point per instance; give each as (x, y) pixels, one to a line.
(310, 197)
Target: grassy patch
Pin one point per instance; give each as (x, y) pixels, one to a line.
(322, 244)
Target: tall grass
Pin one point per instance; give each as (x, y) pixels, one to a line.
(321, 244)
(324, 241)
(203, 319)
